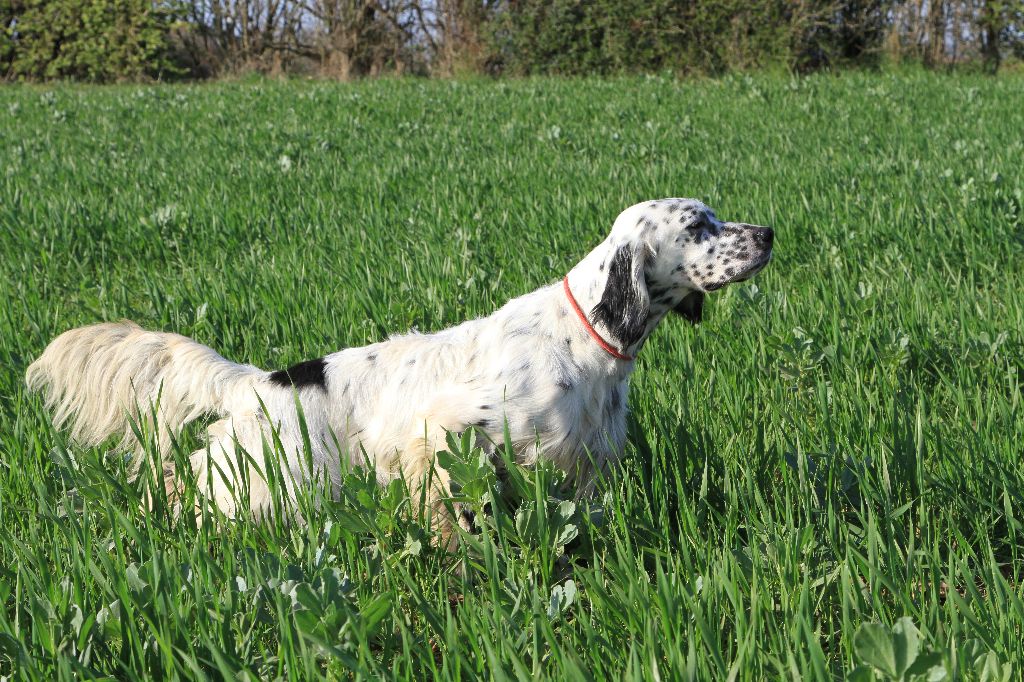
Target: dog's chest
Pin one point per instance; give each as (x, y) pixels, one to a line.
(586, 419)
(603, 415)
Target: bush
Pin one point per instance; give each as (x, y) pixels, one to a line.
(93, 40)
(707, 36)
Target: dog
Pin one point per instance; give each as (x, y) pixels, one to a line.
(551, 366)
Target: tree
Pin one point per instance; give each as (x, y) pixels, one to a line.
(1000, 29)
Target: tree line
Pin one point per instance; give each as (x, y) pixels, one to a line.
(110, 40)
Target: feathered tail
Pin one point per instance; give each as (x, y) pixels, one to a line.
(97, 380)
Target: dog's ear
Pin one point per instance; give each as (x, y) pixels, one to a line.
(691, 307)
(625, 303)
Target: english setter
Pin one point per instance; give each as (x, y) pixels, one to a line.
(553, 364)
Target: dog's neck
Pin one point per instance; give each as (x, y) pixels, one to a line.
(588, 280)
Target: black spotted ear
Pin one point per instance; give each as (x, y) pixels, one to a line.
(625, 303)
(691, 307)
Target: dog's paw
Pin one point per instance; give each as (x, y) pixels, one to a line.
(467, 518)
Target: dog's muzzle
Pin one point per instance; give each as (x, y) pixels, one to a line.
(763, 237)
(760, 240)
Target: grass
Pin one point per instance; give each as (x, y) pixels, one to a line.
(823, 479)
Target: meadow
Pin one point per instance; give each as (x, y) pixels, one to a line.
(824, 479)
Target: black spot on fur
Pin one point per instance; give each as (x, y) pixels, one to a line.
(412, 361)
(624, 305)
(564, 384)
(482, 423)
(372, 357)
(308, 373)
(485, 408)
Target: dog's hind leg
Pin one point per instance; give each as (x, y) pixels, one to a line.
(231, 470)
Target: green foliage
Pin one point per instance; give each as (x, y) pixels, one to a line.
(624, 36)
(93, 40)
(837, 444)
(895, 654)
(107, 40)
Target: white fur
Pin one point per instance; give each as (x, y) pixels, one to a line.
(531, 363)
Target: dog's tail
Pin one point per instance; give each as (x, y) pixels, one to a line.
(99, 380)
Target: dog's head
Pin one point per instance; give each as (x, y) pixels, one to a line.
(666, 255)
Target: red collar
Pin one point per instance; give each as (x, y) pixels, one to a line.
(610, 349)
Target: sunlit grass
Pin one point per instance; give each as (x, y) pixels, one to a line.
(839, 443)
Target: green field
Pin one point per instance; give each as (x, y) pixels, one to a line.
(838, 445)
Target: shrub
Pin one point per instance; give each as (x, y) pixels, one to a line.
(93, 40)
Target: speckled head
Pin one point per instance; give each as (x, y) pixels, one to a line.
(667, 254)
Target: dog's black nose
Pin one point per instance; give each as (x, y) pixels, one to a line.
(764, 236)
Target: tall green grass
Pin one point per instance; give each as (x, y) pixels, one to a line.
(825, 478)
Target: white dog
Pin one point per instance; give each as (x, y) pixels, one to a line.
(554, 364)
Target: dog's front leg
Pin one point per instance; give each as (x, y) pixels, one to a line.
(428, 482)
